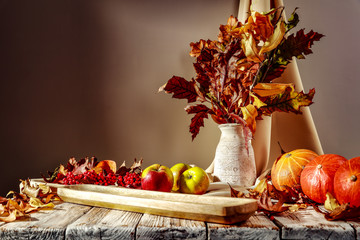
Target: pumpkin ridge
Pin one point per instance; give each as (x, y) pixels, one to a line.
(307, 152)
(302, 158)
(278, 175)
(291, 170)
(298, 164)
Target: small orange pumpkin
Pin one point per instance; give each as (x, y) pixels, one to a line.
(287, 168)
(317, 178)
(347, 183)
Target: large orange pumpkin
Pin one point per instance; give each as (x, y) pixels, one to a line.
(317, 178)
(347, 183)
(287, 168)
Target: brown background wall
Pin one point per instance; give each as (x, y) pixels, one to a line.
(80, 78)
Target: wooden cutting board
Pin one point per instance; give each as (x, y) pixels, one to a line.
(225, 210)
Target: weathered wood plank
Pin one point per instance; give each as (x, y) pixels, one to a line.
(201, 208)
(356, 226)
(45, 224)
(103, 223)
(158, 227)
(309, 224)
(257, 226)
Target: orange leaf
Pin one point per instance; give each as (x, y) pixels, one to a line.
(108, 166)
(9, 218)
(275, 39)
(262, 25)
(271, 89)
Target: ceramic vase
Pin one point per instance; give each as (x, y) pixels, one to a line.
(234, 161)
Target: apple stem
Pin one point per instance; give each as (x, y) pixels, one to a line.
(353, 178)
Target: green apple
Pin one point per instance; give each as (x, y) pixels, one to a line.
(177, 170)
(194, 181)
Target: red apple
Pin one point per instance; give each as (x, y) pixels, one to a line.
(157, 178)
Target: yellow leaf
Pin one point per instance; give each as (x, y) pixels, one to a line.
(270, 89)
(331, 203)
(45, 189)
(249, 114)
(275, 39)
(249, 46)
(257, 102)
(261, 186)
(296, 207)
(35, 202)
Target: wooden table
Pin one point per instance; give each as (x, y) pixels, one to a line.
(73, 221)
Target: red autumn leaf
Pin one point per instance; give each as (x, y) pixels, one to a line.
(274, 73)
(180, 88)
(201, 111)
(298, 45)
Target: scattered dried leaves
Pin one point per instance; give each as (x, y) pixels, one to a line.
(30, 199)
(272, 201)
(335, 211)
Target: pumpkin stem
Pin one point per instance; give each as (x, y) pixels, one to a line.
(353, 178)
(281, 149)
(319, 166)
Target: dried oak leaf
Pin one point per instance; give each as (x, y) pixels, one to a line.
(135, 167)
(85, 164)
(201, 111)
(180, 88)
(298, 45)
(267, 204)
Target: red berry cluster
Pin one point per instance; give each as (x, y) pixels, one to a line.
(131, 180)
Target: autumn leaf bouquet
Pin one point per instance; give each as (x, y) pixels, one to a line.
(235, 73)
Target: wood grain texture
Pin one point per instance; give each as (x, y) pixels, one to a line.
(356, 226)
(45, 224)
(309, 224)
(158, 227)
(224, 210)
(257, 226)
(103, 223)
